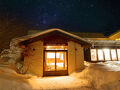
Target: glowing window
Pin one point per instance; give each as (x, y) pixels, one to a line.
(55, 60)
(107, 54)
(118, 53)
(93, 55)
(100, 55)
(113, 54)
(57, 55)
(55, 47)
(50, 55)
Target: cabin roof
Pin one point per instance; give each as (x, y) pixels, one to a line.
(28, 37)
(80, 34)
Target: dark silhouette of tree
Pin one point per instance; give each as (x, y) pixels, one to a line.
(9, 29)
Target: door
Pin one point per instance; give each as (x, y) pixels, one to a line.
(55, 63)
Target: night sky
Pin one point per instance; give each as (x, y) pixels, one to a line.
(72, 15)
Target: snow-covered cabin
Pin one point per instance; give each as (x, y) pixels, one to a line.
(52, 52)
(58, 52)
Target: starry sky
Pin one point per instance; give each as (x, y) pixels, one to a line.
(72, 15)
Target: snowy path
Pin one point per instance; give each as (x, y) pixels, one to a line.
(63, 82)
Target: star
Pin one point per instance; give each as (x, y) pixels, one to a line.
(91, 5)
(54, 15)
(44, 21)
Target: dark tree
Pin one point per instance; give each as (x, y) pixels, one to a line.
(9, 29)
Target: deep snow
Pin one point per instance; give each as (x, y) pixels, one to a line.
(100, 76)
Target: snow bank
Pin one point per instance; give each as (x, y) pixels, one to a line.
(11, 80)
(101, 76)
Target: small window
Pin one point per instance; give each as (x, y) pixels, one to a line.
(55, 47)
(107, 54)
(113, 54)
(93, 55)
(100, 55)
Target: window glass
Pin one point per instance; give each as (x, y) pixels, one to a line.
(50, 55)
(49, 61)
(93, 55)
(118, 53)
(55, 47)
(55, 60)
(113, 54)
(107, 54)
(61, 61)
(100, 55)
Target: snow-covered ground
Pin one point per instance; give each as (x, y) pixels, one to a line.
(100, 76)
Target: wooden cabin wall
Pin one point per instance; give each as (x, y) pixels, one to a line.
(71, 57)
(75, 57)
(33, 59)
(79, 56)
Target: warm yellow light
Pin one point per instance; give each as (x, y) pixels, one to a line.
(55, 47)
(62, 46)
(117, 39)
(52, 64)
(60, 64)
(48, 46)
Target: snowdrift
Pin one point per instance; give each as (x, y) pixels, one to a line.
(101, 76)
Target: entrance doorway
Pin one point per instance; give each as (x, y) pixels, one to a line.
(55, 62)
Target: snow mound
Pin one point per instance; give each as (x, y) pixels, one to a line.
(11, 80)
(101, 76)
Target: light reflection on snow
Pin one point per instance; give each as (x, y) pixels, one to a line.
(56, 82)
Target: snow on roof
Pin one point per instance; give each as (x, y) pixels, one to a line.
(89, 34)
(80, 34)
(20, 39)
(104, 42)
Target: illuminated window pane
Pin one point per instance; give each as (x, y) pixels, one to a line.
(50, 55)
(100, 55)
(93, 55)
(61, 62)
(55, 61)
(49, 61)
(107, 54)
(113, 54)
(55, 47)
(118, 53)
(57, 55)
